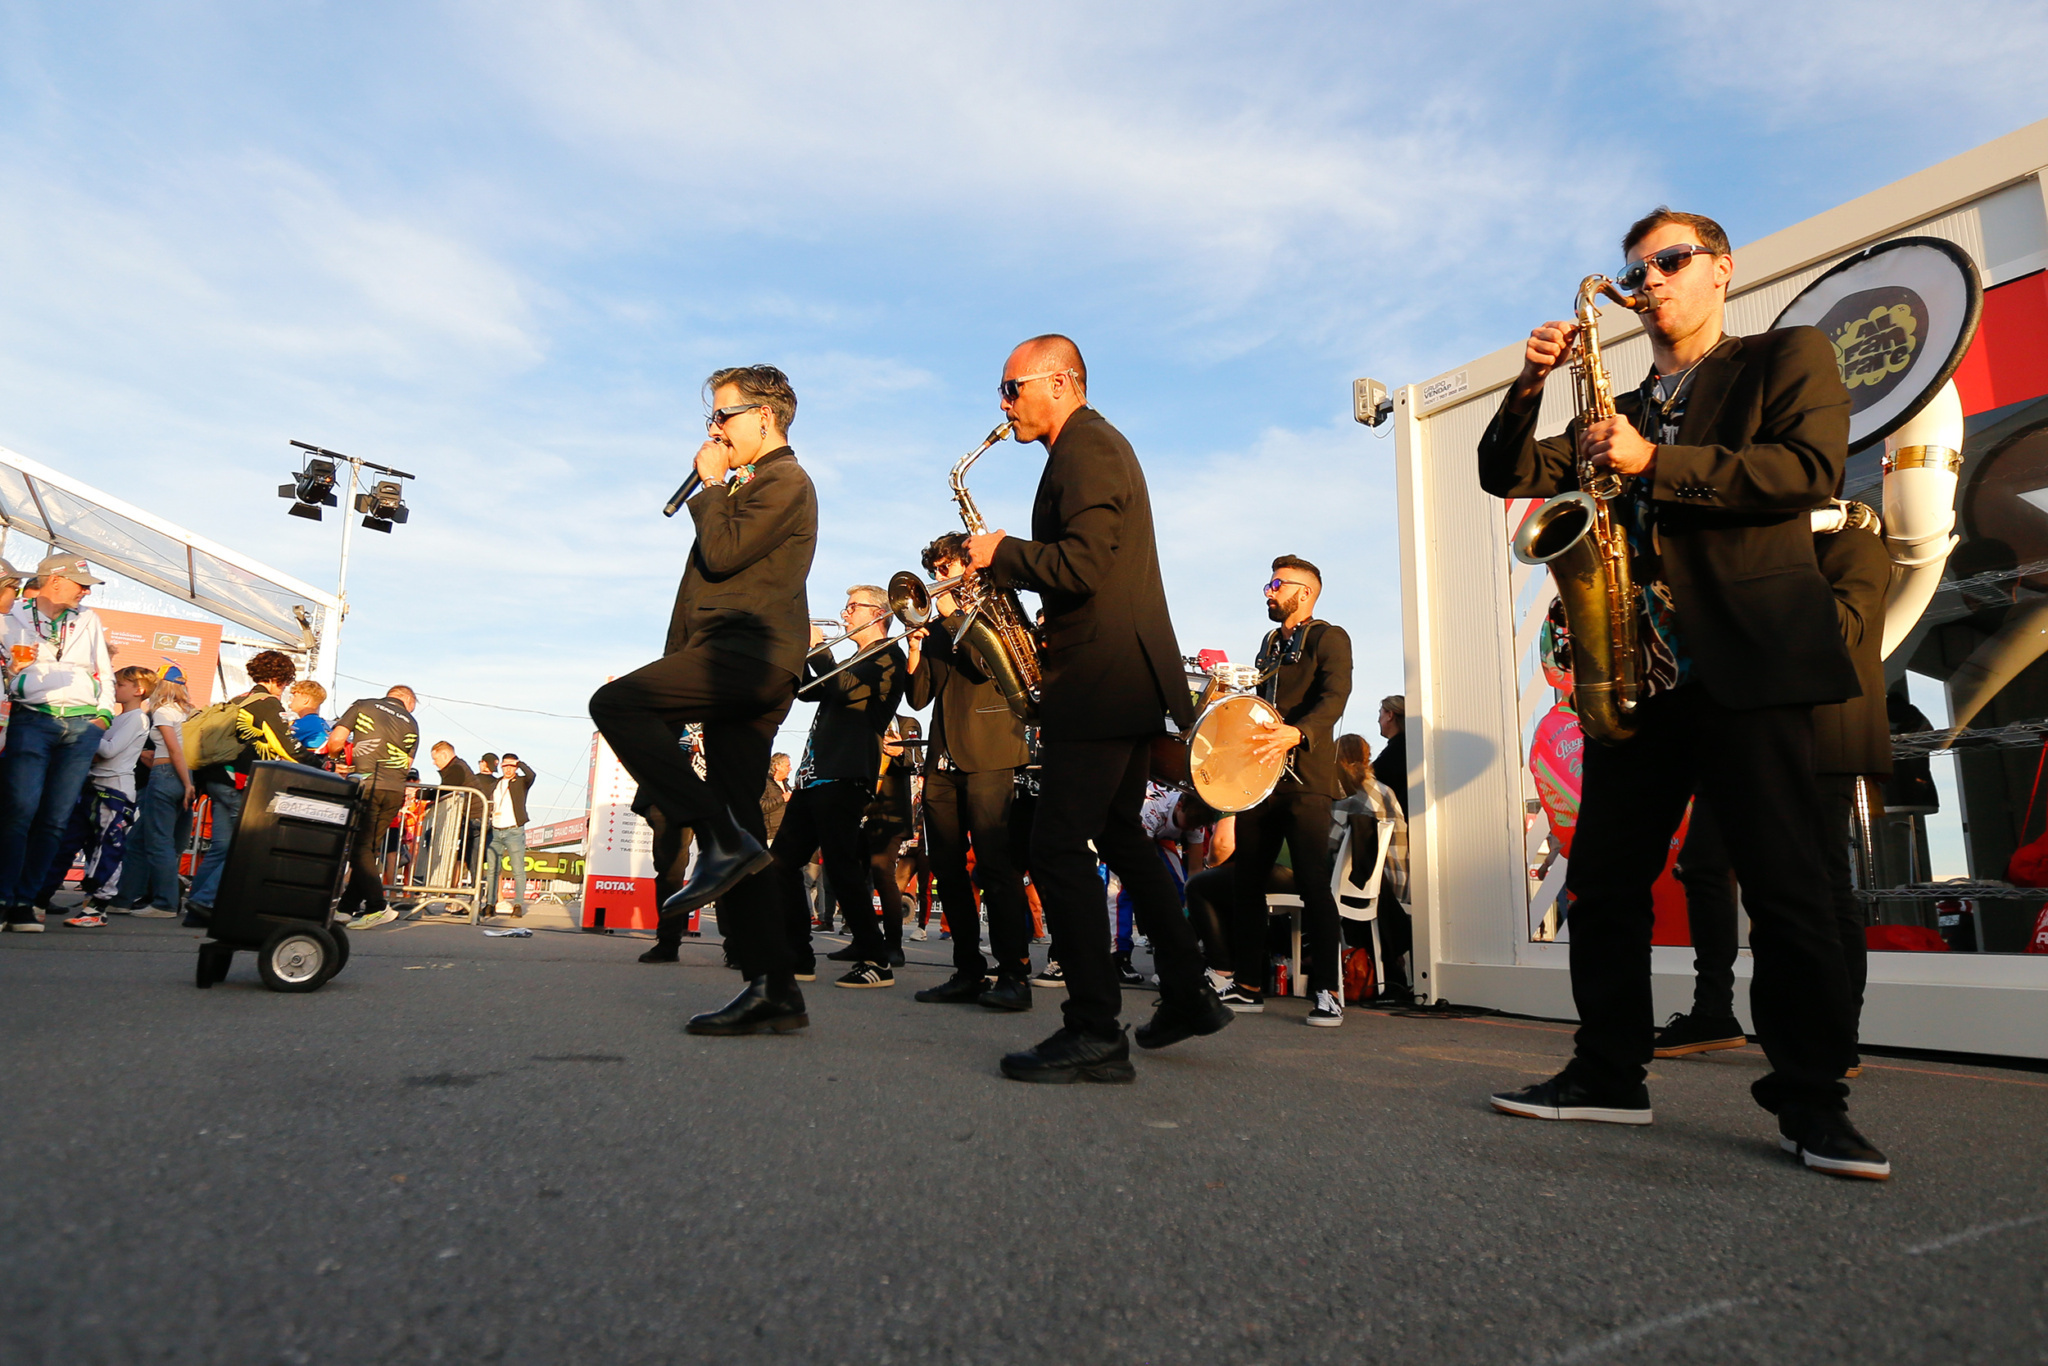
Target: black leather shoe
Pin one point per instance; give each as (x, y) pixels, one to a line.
(849, 954)
(1070, 1057)
(1201, 1013)
(760, 1009)
(1009, 993)
(1564, 1097)
(722, 864)
(959, 989)
(1826, 1141)
(661, 953)
(895, 955)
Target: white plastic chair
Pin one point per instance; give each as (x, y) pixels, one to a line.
(1354, 902)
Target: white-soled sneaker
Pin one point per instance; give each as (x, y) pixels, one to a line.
(374, 919)
(1242, 1001)
(1051, 976)
(1329, 1011)
(868, 975)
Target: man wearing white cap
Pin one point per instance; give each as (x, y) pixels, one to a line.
(61, 684)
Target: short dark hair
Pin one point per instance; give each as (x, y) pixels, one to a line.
(1296, 562)
(762, 384)
(1706, 229)
(1060, 352)
(412, 699)
(271, 666)
(951, 546)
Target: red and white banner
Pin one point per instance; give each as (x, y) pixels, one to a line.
(618, 870)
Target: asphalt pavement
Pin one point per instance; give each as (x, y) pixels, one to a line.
(467, 1149)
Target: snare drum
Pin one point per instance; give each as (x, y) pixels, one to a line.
(1225, 679)
(1226, 774)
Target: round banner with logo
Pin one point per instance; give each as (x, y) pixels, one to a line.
(1900, 315)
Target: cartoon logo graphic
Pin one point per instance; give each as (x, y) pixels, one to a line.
(1877, 334)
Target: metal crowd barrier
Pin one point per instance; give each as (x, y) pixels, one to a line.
(434, 855)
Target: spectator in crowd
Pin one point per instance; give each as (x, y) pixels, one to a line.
(163, 816)
(10, 589)
(61, 684)
(507, 839)
(106, 805)
(304, 700)
(776, 795)
(1391, 768)
(380, 735)
(450, 811)
(886, 824)
(1368, 801)
(263, 729)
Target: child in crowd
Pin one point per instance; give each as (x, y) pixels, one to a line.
(304, 700)
(106, 805)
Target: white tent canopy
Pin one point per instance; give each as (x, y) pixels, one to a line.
(42, 504)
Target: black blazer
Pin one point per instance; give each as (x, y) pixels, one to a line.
(1310, 694)
(1765, 436)
(520, 783)
(971, 723)
(1111, 663)
(854, 708)
(743, 592)
(1855, 736)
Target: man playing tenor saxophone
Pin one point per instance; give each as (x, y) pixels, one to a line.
(1725, 446)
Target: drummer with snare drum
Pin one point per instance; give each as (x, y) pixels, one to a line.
(1305, 668)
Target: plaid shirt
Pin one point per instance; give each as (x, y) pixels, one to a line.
(1374, 801)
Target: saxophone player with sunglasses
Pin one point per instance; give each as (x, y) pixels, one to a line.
(1720, 454)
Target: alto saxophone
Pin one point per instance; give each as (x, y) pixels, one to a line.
(995, 629)
(1586, 549)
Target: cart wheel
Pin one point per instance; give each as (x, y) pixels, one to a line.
(296, 959)
(341, 951)
(213, 963)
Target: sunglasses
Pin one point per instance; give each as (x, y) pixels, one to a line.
(1278, 584)
(720, 416)
(1669, 261)
(1010, 388)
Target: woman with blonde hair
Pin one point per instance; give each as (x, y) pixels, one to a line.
(149, 877)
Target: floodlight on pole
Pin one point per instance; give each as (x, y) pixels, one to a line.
(313, 488)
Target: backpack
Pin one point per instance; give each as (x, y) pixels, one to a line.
(210, 736)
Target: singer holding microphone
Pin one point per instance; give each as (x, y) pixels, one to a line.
(736, 643)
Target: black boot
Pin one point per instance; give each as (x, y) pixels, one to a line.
(662, 952)
(1068, 1057)
(959, 989)
(765, 1007)
(1184, 1017)
(1009, 993)
(725, 859)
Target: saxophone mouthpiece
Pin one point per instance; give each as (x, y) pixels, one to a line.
(1003, 429)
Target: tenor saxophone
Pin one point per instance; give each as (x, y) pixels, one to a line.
(1579, 538)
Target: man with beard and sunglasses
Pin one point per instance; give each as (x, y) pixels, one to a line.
(1307, 668)
(1112, 674)
(1727, 444)
(736, 643)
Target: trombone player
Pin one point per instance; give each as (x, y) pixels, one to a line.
(1726, 445)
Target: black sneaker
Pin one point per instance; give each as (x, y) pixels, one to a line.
(1562, 1097)
(1826, 1141)
(22, 920)
(806, 971)
(1126, 974)
(849, 954)
(868, 975)
(1071, 1057)
(962, 988)
(1186, 1018)
(661, 953)
(198, 917)
(895, 955)
(1051, 976)
(1244, 1002)
(1683, 1034)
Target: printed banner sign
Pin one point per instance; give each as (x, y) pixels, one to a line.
(155, 642)
(618, 860)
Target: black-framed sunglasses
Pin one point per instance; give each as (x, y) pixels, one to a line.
(1669, 261)
(720, 416)
(1009, 389)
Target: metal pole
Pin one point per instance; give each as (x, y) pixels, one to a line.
(332, 643)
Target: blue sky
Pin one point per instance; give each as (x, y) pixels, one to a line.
(500, 246)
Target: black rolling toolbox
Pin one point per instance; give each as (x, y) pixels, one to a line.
(284, 876)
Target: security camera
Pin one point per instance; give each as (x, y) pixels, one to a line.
(1369, 402)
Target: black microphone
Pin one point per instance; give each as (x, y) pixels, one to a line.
(684, 494)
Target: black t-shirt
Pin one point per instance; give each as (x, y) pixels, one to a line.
(385, 736)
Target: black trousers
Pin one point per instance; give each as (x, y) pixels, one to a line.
(1302, 819)
(365, 890)
(739, 700)
(1710, 885)
(958, 806)
(1756, 768)
(825, 818)
(1092, 790)
(671, 865)
(882, 839)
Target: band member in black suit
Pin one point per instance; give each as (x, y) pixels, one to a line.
(735, 647)
(1112, 673)
(1851, 741)
(835, 781)
(970, 782)
(1309, 666)
(1729, 442)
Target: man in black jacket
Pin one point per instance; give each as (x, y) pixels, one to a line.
(970, 780)
(736, 644)
(1727, 445)
(380, 735)
(1111, 675)
(835, 780)
(1308, 663)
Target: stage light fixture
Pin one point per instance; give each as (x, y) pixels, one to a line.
(383, 505)
(311, 489)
